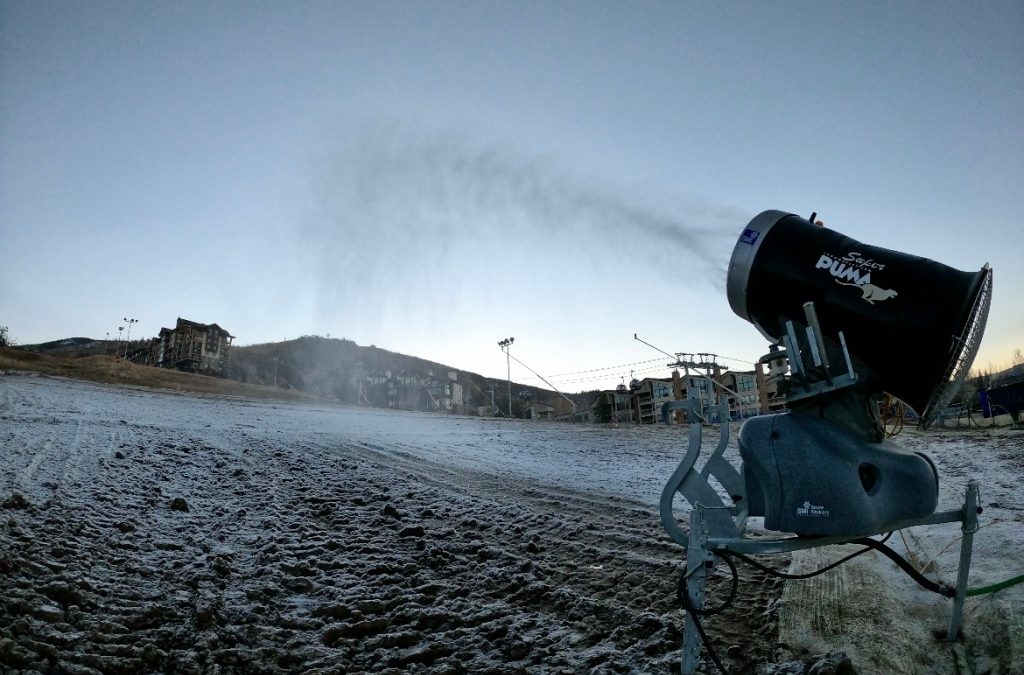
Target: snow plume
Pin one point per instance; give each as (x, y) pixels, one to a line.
(405, 217)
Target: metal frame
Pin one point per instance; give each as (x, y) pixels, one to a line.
(716, 526)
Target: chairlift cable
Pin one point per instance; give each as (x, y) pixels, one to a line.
(594, 370)
(731, 358)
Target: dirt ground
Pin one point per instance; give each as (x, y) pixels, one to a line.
(148, 531)
(109, 369)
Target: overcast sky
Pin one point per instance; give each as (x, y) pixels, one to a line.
(433, 177)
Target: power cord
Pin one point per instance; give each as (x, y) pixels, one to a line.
(695, 614)
(682, 591)
(785, 575)
(868, 543)
(684, 596)
(904, 564)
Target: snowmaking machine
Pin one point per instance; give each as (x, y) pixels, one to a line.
(855, 322)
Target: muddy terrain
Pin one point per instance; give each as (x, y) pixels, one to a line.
(147, 531)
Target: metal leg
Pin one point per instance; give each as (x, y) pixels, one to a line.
(696, 571)
(970, 526)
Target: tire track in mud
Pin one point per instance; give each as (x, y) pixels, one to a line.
(600, 567)
(302, 556)
(106, 556)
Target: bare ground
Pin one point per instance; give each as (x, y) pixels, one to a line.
(108, 369)
(148, 531)
(157, 533)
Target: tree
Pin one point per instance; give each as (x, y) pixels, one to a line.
(602, 409)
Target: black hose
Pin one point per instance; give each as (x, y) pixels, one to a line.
(923, 581)
(683, 591)
(867, 542)
(785, 575)
(684, 597)
(695, 615)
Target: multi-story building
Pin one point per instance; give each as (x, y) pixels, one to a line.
(746, 402)
(192, 347)
(771, 399)
(615, 406)
(651, 395)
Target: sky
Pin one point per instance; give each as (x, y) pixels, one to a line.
(434, 177)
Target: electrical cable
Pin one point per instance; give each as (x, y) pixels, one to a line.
(683, 590)
(808, 575)
(688, 606)
(903, 563)
(683, 593)
(893, 412)
(868, 544)
(923, 581)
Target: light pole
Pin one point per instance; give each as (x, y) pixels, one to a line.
(505, 345)
(129, 337)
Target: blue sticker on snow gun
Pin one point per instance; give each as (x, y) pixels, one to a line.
(749, 236)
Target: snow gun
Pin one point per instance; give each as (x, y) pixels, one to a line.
(851, 324)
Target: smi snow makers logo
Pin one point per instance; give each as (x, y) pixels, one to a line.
(855, 270)
(812, 511)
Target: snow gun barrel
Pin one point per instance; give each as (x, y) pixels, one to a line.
(913, 323)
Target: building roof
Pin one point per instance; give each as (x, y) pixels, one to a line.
(185, 323)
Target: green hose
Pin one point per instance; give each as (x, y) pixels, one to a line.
(995, 587)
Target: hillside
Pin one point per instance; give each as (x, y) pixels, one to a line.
(325, 368)
(340, 369)
(109, 370)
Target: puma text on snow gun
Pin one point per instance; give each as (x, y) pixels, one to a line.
(855, 322)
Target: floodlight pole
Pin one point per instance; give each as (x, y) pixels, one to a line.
(127, 339)
(505, 345)
(508, 374)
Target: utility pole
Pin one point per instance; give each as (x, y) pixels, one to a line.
(505, 345)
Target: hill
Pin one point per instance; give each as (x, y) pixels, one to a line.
(325, 368)
(110, 370)
(342, 370)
